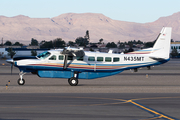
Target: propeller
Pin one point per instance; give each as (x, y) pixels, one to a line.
(12, 64)
(11, 61)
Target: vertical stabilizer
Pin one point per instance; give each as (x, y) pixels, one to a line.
(161, 48)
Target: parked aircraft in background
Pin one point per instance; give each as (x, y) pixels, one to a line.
(74, 64)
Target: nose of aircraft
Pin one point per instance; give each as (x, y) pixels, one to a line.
(10, 61)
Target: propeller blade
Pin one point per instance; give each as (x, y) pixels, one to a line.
(11, 61)
(11, 68)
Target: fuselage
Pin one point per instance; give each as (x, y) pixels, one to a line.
(91, 65)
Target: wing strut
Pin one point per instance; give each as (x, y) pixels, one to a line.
(71, 52)
(65, 62)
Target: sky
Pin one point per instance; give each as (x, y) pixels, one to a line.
(140, 11)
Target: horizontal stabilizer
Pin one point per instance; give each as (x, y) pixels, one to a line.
(157, 59)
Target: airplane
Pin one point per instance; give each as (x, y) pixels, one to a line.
(75, 63)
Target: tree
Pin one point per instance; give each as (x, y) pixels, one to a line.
(100, 41)
(11, 53)
(18, 44)
(149, 44)
(46, 44)
(130, 43)
(174, 53)
(71, 43)
(42, 42)
(111, 45)
(8, 43)
(58, 42)
(34, 42)
(81, 41)
(33, 53)
(122, 45)
(139, 42)
(87, 35)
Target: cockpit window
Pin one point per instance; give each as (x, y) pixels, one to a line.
(44, 55)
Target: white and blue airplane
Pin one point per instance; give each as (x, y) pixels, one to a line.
(74, 64)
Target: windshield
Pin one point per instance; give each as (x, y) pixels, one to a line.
(44, 55)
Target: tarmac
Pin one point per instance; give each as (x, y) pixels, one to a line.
(143, 95)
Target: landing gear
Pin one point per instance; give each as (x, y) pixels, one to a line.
(21, 81)
(148, 67)
(73, 81)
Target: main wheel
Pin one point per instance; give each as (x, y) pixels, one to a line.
(21, 82)
(73, 81)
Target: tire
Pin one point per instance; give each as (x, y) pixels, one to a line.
(21, 82)
(73, 81)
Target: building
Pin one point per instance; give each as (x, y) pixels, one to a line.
(3, 53)
(19, 52)
(175, 45)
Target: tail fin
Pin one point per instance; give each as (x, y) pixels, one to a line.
(161, 48)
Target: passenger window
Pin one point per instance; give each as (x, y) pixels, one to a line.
(52, 57)
(115, 59)
(100, 59)
(107, 59)
(61, 57)
(91, 58)
(80, 58)
(70, 57)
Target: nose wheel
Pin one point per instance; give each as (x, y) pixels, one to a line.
(21, 81)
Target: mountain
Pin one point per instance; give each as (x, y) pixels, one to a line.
(71, 25)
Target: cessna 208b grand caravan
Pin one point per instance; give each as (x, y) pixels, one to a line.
(74, 64)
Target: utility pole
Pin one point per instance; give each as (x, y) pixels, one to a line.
(2, 42)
